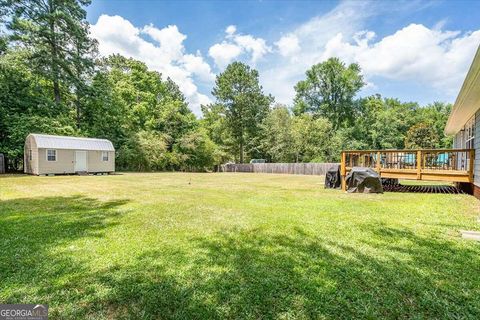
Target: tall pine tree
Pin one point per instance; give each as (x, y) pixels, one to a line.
(56, 33)
(246, 106)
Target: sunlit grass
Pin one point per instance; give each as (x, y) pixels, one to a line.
(174, 245)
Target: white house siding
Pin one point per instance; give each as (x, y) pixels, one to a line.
(476, 144)
(458, 142)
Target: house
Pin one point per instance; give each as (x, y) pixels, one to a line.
(47, 154)
(465, 117)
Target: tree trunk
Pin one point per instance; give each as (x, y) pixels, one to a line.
(55, 70)
(242, 140)
(241, 152)
(77, 109)
(56, 89)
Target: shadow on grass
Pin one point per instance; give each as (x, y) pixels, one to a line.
(32, 230)
(251, 274)
(384, 273)
(303, 276)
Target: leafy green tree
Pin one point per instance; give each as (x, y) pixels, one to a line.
(130, 98)
(3, 35)
(421, 136)
(56, 32)
(329, 90)
(246, 106)
(85, 49)
(214, 123)
(173, 117)
(127, 99)
(25, 106)
(436, 115)
(104, 114)
(277, 140)
(313, 139)
(196, 151)
(3, 42)
(145, 151)
(382, 123)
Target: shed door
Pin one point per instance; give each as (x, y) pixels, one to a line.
(80, 161)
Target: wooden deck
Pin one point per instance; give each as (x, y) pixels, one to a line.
(452, 165)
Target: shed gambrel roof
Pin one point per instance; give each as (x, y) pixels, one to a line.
(45, 141)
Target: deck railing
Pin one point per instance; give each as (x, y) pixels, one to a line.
(454, 165)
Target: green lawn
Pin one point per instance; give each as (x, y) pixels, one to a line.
(173, 245)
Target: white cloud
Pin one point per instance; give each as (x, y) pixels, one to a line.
(415, 53)
(169, 39)
(166, 53)
(283, 71)
(235, 45)
(231, 29)
(429, 57)
(257, 47)
(224, 53)
(197, 65)
(288, 45)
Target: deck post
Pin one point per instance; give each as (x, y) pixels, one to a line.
(343, 171)
(471, 165)
(419, 165)
(378, 164)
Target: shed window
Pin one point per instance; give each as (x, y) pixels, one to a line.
(104, 156)
(30, 154)
(51, 155)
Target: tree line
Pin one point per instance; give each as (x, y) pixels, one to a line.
(53, 81)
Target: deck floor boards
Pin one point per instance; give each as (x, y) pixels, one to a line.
(423, 189)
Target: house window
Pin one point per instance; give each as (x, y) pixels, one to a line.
(51, 155)
(30, 154)
(104, 156)
(469, 133)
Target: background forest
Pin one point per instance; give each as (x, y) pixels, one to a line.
(53, 81)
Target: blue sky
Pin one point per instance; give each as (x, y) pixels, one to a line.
(413, 50)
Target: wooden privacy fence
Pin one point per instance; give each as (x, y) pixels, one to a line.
(281, 168)
(2, 164)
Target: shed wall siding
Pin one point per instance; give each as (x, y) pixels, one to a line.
(95, 163)
(64, 164)
(477, 149)
(31, 166)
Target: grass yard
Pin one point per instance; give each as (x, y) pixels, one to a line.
(174, 245)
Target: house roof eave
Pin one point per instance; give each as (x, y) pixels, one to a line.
(468, 99)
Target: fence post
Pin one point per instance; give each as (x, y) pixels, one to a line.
(419, 164)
